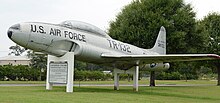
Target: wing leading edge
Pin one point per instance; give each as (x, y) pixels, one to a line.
(161, 58)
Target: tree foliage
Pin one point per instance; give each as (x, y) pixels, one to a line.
(16, 50)
(18, 72)
(210, 26)
(38, 62)
(139, 23)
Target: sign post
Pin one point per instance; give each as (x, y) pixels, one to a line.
(60, 71)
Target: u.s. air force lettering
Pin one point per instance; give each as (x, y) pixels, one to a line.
(75, 36)
(58, 32)
(38, 29)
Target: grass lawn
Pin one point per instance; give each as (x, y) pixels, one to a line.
(172, 94)
(202, 94)
(143, 81)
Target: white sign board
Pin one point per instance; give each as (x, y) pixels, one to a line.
(58, 72)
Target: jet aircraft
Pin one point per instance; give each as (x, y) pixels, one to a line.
(91, 44)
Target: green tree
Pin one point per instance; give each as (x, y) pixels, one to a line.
(210, 26)
(79, 75)
(16, 50)
(139, 23)
(39, 62)
(11, 72)
(2, 72)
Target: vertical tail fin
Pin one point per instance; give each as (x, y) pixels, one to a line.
(160, 45)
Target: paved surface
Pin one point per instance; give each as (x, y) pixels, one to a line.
(106, 85)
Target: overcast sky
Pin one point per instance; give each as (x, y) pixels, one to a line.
(96, 12)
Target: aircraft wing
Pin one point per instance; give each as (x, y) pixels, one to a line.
(147, 59)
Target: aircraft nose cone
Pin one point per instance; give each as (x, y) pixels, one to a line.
(9, 34)
(13, 28)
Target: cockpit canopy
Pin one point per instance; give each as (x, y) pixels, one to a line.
(72, 24)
